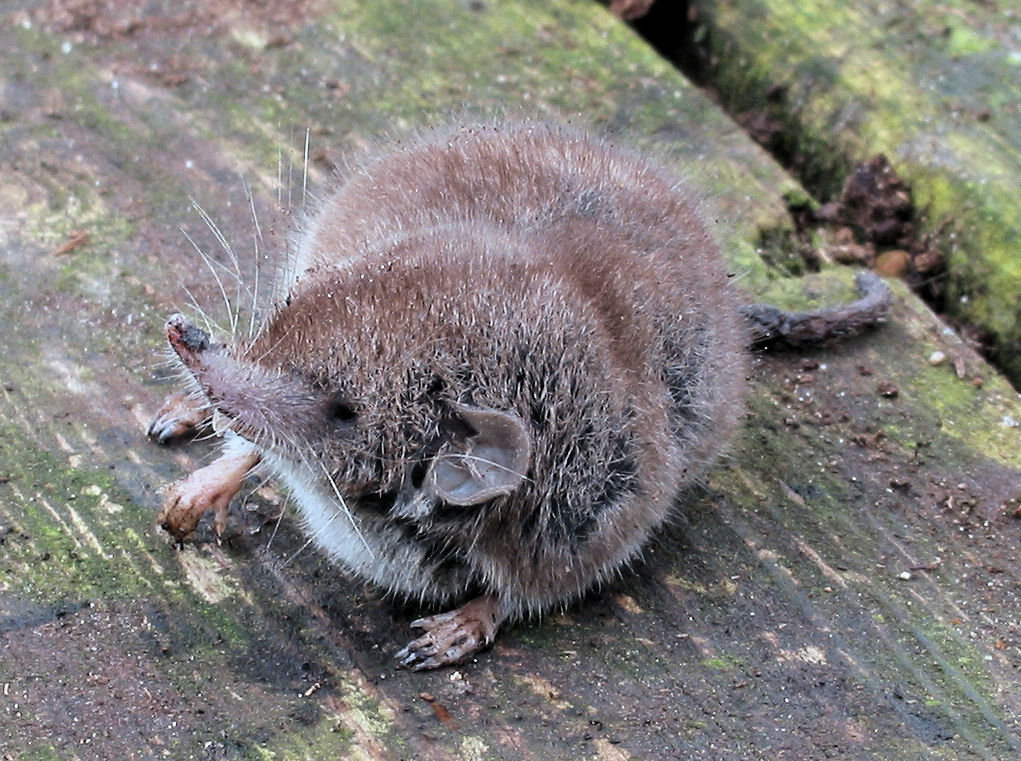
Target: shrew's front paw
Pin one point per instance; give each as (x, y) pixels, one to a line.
(181, 415)
(209, 488)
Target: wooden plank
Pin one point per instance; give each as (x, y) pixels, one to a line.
(845, 586)
(933, 85)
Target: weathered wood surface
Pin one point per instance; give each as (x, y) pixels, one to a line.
(846, 587)
(933, 84)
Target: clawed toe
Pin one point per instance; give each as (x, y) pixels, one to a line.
(452, 637)
(433, 650)
(418, 655)
(181, 415)
(164, 429)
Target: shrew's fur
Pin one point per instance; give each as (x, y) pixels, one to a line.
(502, 355)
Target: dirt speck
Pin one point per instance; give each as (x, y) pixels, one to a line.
(442, 714)
(888, 389)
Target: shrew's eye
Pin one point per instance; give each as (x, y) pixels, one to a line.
(341, 410)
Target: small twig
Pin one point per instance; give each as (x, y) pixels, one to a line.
(78, 238)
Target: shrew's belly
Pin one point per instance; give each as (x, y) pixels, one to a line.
(371, 549)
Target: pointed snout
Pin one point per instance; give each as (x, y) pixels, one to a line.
(186, 339)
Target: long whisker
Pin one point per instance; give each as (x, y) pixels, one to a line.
(210, 265)
(266, 353)
(256, 242)
(211, 325)
(304, 547)
(343, 505)
(344, 511)
(290, 182)
(473, 458)
(280, 176)
(279, 520)
(304, 171)
(229, 250)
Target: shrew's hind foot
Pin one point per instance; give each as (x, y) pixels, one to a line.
(453, 636)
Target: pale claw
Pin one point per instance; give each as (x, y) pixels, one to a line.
(453, 636)
(209, 488)
(181, 415)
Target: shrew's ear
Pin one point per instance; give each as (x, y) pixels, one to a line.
(489, 460)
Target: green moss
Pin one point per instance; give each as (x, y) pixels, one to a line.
(39, 752)
(973, 419)
(72, 534)
(339, 732)
(327, 738)
(962, 40)
(723, 663)
(69, 518)
(546, 636)
(827, 287)
(959, 661)
(782, 251)
(798, 198)
(76, 80)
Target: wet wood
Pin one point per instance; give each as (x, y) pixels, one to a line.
(846, 585)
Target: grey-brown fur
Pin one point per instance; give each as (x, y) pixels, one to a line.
(555, 290)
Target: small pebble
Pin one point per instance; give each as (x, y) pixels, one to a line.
(892, 263)
(937, 357)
